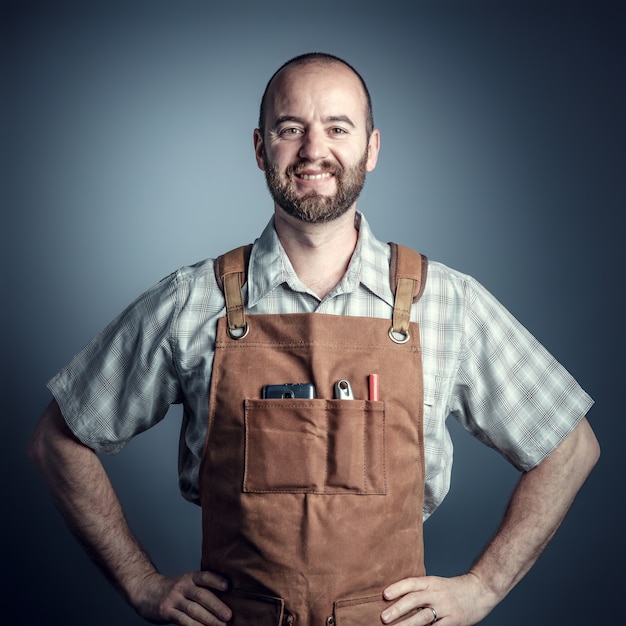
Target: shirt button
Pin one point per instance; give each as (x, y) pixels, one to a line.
(330, 621)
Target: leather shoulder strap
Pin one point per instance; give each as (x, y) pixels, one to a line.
(407, 263)
(231, 270)
(407, 277)
(235, 261)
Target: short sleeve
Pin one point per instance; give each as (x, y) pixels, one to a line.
(510, 392)
(124, 380)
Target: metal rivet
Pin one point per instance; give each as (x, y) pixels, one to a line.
(238, 333)
(397, 336)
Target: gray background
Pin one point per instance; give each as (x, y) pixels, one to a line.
(127, 152)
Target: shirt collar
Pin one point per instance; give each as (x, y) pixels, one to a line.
(270, 266)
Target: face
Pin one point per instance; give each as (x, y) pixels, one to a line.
(316, 151)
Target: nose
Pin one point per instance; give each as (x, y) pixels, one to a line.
(314, 146)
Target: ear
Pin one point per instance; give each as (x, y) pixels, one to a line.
(258, 149)
(373, 147)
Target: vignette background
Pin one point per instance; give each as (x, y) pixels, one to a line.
(127, 152)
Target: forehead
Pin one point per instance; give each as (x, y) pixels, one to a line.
(317, 90)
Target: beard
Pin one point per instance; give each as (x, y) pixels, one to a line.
(312, 207)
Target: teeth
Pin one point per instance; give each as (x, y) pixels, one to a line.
(315, 176)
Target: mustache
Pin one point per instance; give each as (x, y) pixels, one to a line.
(324, 166)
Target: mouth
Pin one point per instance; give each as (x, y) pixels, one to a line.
(321, 176)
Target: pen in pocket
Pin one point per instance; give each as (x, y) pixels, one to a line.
(374, 389)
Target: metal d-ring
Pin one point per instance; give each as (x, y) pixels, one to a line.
(405, 336)
(238, 333)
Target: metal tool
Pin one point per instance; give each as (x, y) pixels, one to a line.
(343, 390)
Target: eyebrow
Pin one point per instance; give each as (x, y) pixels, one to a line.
(282, 119)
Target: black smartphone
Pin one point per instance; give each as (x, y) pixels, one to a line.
(289, 390)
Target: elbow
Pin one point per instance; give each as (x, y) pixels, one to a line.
(588, 447)
(576, 456)
(45, 440)
(594, 452)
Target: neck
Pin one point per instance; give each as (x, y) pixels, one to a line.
(319, 253)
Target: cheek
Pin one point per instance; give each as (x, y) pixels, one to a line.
(278, 159)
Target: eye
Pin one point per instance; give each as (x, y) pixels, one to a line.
(336, 130)
(291, 130)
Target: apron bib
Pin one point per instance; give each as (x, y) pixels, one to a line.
(311, 507)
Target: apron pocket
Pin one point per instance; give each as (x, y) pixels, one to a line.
(362, 611)
(356, 447)
(315, 446)
(251, 609)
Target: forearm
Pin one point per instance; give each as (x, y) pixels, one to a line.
(85, 497)
(534, 513)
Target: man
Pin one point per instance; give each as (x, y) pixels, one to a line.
(312, 507)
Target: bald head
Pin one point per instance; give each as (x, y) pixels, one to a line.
(322, 60)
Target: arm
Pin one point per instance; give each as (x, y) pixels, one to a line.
(85, 497)
(539, 503)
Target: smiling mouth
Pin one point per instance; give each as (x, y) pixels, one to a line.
(314, 176)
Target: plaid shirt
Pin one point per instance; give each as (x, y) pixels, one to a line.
(480, 364)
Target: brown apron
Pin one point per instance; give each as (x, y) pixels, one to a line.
(311, 507)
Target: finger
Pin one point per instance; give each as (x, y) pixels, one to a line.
(208, 603)
(192, 613)
(410, 603)
(190, 617)
(430, 614)
(209, 580)
(420, 616)
(403, 607)
(405, 586)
